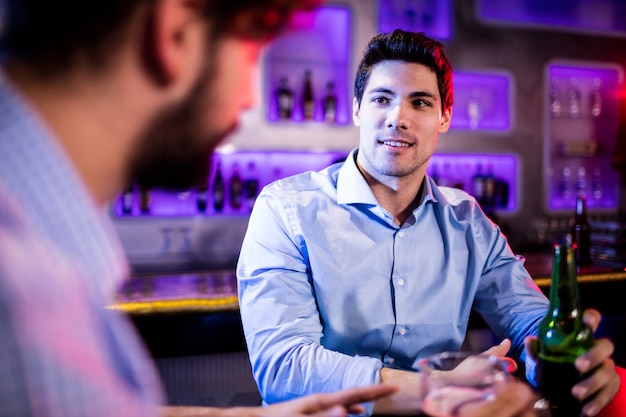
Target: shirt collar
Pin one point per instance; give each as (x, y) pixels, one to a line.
(352, 187)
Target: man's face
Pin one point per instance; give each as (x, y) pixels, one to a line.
(400, 119)
(174, 152)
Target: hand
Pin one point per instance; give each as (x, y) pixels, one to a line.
(317, 405)
(604, 382)
(501, 350)
(513, 400)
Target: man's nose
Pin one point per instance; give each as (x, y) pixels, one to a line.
(397, 117)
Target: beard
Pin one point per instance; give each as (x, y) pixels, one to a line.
(173, 152)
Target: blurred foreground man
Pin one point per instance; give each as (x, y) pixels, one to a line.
(93, 94)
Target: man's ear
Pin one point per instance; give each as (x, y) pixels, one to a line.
(355, 113)
(165, 40)
(444, 122)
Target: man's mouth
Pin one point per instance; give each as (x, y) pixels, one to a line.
(395, 143)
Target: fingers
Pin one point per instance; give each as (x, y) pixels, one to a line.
(592, 318)
(531, 345)
(514, 400)
(602, 385)
(500, 350)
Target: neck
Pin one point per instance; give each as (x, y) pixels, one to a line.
(398, 195)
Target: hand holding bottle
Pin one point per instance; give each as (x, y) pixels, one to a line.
(602, 381)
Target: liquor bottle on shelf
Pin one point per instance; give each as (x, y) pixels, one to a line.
(562, 336)
(581, 183)
(489, 186)
(235, 188)
(566, 183)
(251, 185)
(474, 109)
(478, 184)
(329, 103)
(218, 189)
(581, 233)
(573, 99)
(555, 100)
(202, 197)
(145, 200)
(308, 99)
(595, 99)
(596, 183)
(127, 199)
(284, 99)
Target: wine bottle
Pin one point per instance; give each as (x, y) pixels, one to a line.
(201, 197)
(581, 233)
(145, 200)
(573, 99)
(478, 184)
(284, 97)
(218, 189)
(330, 103)
(595, 99)
(562, 336)
(235, 188)
(251, 186)
(307, 96)
(128, 196)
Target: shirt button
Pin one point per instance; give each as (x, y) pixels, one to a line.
(402, 331)
(401, 234)
(390, 360)
(400, 281)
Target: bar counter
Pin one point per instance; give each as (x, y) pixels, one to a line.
(216, 291)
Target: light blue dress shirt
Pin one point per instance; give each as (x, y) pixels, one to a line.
(331, 290)
(62, 353)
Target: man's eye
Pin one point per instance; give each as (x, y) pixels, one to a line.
(421, 103)
(381, 100)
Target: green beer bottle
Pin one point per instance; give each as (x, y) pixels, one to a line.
(562, 336)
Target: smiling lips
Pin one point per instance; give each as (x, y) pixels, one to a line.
(395, 143)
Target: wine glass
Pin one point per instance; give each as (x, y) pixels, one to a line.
(458, 383)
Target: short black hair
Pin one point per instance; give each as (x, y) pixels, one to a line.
(410, 47)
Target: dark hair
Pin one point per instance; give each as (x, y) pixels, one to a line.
(409, 47)
(49, 35)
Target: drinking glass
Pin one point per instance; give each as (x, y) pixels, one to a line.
(458, 383)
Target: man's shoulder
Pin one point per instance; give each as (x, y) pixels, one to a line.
(454, 196)
(305, 181)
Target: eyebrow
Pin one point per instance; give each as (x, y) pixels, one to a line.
(393, 93)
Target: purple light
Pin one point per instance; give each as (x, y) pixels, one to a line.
(589, 15)
(482, 101)
(319, 42)
(429, 16)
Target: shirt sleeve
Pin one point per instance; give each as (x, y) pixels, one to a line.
(507, 298)
(280, 315)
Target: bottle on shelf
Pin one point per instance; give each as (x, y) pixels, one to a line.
(478, 184)
(595, 99)
(562, 336)
(128, 197)
(145, 200)
(284, 98)
(434, 174)
(489, 187)
(202, 197)
(218, 189)
(581, 182)
(573, 99)
(474, 109)
(235, 188)
(329, 103)
(308, 99)
(251, 185)
(566, 183)
(581, 233)
(555, 100)
(596, 183)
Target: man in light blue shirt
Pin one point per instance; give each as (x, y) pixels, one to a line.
(349, 275)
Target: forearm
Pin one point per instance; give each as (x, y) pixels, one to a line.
(408, 398)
